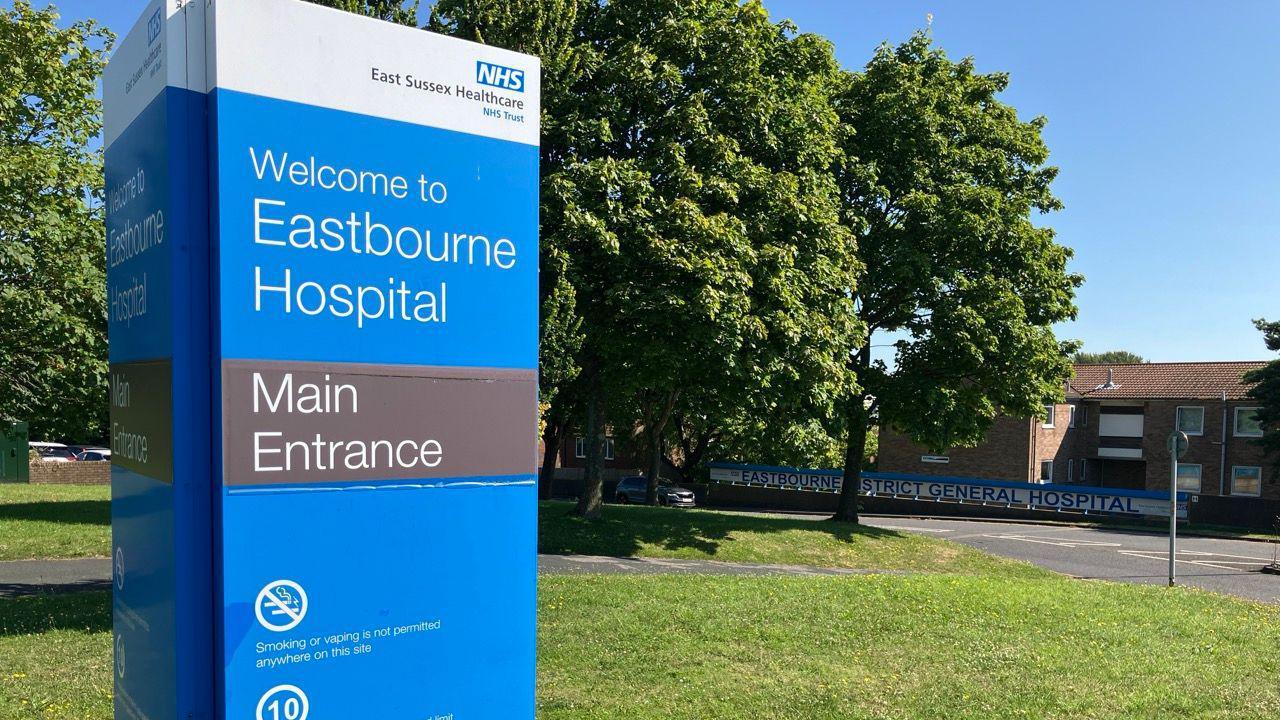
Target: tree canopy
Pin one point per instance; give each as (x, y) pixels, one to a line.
(1267, 392)
(1110, 357)
(940, 180)
(688, 211)
(53, 344)
(396, 11)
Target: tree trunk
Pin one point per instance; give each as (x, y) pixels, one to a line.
(855, 448)
(858, 420)
(655, 467)
(552, 434)
(589, 504)
(692, 453)
(655, 426)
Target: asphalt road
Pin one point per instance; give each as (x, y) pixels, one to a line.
(1225, 566)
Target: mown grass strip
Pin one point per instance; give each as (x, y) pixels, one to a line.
(54, 521)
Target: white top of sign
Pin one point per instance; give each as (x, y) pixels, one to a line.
(296, 51)
(164, 48)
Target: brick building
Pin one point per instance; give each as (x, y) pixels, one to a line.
(1112, 432)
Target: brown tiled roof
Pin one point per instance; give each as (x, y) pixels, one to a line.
(1163, 381)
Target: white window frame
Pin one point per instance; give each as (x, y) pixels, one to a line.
(1040, 478)
(1237, 468)
(580, 447)
(608, 448)
(1199, 478)
(1084, 470)
(1235, 425)
(1071, 469)
(1050, 417)
(1071, 413)
(1177, 419)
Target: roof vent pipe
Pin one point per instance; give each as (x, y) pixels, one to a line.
(1110, 384)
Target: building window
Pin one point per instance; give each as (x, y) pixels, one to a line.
(580, 448)
(1189, 478)
(1073, 410)
(1071, 470)
(935, 459)
(1191, 420)
(1049, 412)
(1081, 416)
(1046, 471)
(1247, 423)
(1084, 470)
(1246, 481)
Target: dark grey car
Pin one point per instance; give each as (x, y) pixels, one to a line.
(633, 490)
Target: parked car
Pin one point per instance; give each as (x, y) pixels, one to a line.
(94, 453)
(53, 452)
(634, 489)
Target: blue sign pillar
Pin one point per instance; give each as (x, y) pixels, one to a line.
(363, 355)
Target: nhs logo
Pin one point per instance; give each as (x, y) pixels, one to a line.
(499, 76)
(154, 26)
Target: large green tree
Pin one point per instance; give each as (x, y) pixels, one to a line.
(1266, 392)
(940, 181)
(52, 252)
(726, 273)
(685, 149)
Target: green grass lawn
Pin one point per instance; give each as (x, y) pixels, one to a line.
(735, 648)
(55, 657)
(634, 531)
(54, 521)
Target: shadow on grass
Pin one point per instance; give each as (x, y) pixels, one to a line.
(87, 611)
(621, 531)
(90, 512)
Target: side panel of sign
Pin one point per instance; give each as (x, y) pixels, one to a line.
(157, 266)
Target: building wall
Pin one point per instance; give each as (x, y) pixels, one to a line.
(1060, 444)
(1205, 450)
(1003, 455)
(1014, 449)
(624, 462)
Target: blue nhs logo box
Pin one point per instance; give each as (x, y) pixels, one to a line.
(154, 27)
(499, 76)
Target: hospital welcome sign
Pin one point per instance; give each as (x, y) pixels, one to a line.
(322, 249)
(957, 490)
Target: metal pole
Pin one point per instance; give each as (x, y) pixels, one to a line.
(1173, 515)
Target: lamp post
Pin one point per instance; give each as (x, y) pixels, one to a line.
(1178, 444)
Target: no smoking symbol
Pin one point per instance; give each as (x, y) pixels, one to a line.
(281, 605)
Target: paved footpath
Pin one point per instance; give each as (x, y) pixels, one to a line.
(33, 577)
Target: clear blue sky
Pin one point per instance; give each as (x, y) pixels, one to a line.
(1162, 118)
